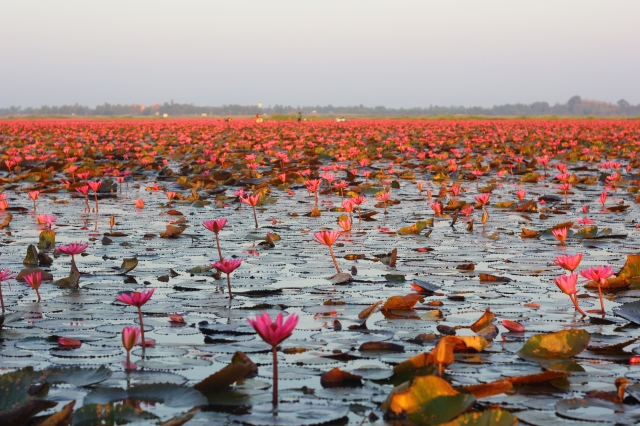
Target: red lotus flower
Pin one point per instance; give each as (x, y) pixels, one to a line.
(603, 198)
(215, 225)
(328, 238)
(5, 275)
(73, 248)
(130, 336)
(599, 275)
(569, 263)
(567, 284)
(252, 200)
(46, 219)
(34, 280)
(483, 199)
(228, 266)
(274, 334)
(139, 203)
(560, 234)
(137, 299)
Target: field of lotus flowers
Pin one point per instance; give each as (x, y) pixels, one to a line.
(203, 272)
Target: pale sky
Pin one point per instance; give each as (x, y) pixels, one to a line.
(396, 53)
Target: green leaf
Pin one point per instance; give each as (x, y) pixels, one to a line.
(47, 240)
(492, 417)
(587, 232)
(427, 400)
(76, 376)
(14, 388)
(109, 415)
(631, 268)
(32, 256)
(442, 409)
(563, 344)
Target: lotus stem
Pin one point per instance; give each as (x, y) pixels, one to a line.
(255, 216)
(1, 298)
(574, 299)
(229, 286)
(218, 244)
(274, 399)
(333, 257)
(144, 345)
(600, 296)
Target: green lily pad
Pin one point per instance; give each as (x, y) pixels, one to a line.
(76, 376)
(492, 417)
(563, 344)
(109, 415)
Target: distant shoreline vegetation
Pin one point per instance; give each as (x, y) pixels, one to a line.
(574, 107)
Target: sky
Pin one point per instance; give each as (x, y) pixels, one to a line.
(395, 53)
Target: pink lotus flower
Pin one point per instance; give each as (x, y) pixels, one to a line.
(467, 211)
(84, 176)
(567, 284)
(384, 197)
(170, 195)
(94, 187)
(603, 198)
(569, 263)
(513, 326)
(342, 185)
(560, 234)
(216, 226)
(46, 219)
(68, 342)
(84, 190)
(585, 221)
(328, 238)
(437, 208)
(274, 334)
(585, 209)
(5, 275)
(282, 177)
(34, 280)
(252, 200)
(72, 249)
(599, 275)
(120, 180)
(137, 299)
(130, 336)
(139, 203)
(521, 193)
(228, 266)
(483, 199)
(34, 196)
(345, 224)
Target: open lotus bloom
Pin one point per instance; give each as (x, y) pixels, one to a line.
(274, 332)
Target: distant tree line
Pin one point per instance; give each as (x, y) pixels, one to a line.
(575, 106)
